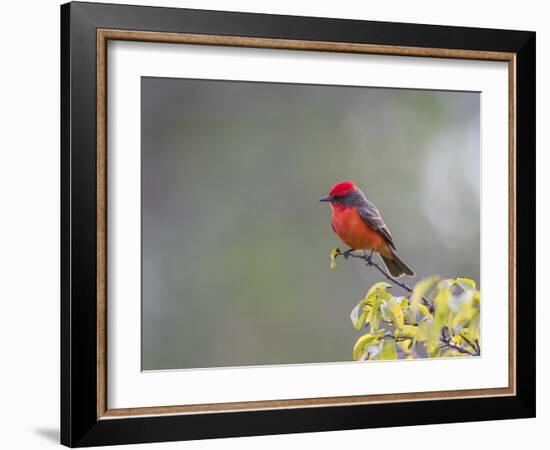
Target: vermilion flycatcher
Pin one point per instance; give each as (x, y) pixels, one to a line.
(359, 224)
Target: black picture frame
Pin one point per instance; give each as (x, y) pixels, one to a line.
(80, 425)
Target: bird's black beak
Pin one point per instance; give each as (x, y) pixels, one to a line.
(326, 198)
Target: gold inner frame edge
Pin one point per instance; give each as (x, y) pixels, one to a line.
(103, 36)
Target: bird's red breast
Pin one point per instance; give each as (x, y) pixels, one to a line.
(355, 232)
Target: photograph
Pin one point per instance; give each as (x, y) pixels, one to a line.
(281, 221)
(288, 223)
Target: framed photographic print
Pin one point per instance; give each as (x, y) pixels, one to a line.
(276, 224)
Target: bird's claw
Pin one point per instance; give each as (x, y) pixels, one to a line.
(347, 253)
(368, 259)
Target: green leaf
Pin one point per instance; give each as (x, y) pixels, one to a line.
(361, 343)
(421, 288)
(470, 335)
(333, 254)
(403, 302)
(391, 311)
(467, 284)
(386, 313)
(446, 284)
(424, 311)
(357, 317)
(429, 332)
(405, 345)
(442, 316)
(380, 333)
(389, 351)
(409, 331)
(441, 302)
(375, 315)
(423, 330)
(410, 316)
(378, 289)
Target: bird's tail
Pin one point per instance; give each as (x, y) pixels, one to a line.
(396, 266)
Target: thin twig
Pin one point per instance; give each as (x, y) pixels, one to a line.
(470, 343)
(368, 260)
(446, 339)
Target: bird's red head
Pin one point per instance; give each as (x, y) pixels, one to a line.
(339, 191)
(342, 189)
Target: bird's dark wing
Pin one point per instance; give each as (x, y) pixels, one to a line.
(370, 214)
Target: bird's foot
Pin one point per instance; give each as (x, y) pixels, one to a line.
(347, 253)
(368, 259)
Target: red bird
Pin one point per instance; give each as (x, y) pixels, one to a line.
(359, 224)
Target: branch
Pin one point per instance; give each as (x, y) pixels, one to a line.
(446, 339)
(475, 345)
(368, 260)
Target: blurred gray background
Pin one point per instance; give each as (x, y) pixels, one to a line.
(235, 265)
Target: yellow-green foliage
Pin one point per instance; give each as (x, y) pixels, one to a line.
(439, 319)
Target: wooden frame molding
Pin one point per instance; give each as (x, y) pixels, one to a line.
(103, 36)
